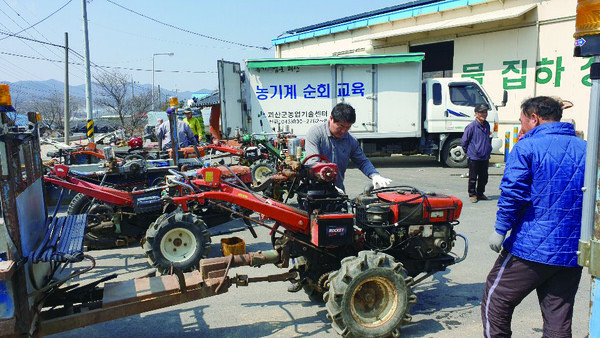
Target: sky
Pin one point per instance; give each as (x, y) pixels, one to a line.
(120, 38)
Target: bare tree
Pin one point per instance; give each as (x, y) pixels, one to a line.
(141, 103)
(114, 89)
(117, 99)
(52, 110)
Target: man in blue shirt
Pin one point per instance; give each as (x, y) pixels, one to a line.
(540, 205)
(476, 142)
(332, 140)
(184, 135)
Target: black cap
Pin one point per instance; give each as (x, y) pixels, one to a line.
(481, 107)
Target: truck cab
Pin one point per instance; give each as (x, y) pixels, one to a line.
(448, 105)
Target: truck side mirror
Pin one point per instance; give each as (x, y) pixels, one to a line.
(504, 99)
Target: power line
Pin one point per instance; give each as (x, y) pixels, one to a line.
(36, 30)
(186, 30)
(24, 70)
(109, 67)
(16, 23)
(42, 42)
(31, 26)
(30, 39)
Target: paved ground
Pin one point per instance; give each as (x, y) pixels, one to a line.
(448, 303)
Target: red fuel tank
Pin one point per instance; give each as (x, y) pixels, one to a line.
(422, 208)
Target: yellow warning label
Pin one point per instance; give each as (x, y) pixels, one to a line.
(242, 195)
(90, 128)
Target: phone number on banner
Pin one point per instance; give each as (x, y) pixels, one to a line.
(298, 121)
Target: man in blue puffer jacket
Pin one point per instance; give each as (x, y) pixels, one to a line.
(540, 205)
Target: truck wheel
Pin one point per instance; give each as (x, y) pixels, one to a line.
(79, 204)
(368, 296)
(261, 169)
(178, 240)
(453, 154)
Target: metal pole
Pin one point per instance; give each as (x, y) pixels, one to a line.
(67, 115)
(506, 145)
(591, 162)
(590, 230)
(153, 82)
(159, 104)
(153, 55)
(594, 329)
(88, 77)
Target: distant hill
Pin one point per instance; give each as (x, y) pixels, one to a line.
(23, 91)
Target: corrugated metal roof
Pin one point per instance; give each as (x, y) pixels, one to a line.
(361, 16)
(407, 10)
(207, 101)
(337, 60)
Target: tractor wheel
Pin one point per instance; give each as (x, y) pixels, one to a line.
(453, 154)
(95, 237)
(262, 169)
(176, 240)
(368, 296)
(79, 204)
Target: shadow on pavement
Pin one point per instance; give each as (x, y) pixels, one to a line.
(444, 299)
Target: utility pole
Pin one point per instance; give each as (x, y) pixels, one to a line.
(132, 93)
(587, 44)
(153, 55)
(159, 103)
(67, 127)
(88, 77)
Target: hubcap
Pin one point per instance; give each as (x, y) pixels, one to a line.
(178, 245)
(262, 172)
(457, 154)
(374, 302)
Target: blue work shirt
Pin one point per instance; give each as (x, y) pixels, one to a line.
(476, 141)
(340, 151)
(184, 134)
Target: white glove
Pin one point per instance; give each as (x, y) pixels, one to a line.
(496, 241)
(380, 181)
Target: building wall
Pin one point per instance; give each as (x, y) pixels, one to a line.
(500, 54)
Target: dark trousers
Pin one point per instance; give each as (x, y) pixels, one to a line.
(512, 279)
(478, 177)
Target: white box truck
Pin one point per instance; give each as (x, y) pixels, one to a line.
(396, 111)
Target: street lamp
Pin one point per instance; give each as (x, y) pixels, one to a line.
(153, 55)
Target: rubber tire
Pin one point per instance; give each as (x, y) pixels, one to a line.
(79, 204)
(348, 280)
(167, 222)
(258, 167)
(447, 160)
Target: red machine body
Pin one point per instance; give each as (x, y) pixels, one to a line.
(331, 230)
(135, 143)
(325, 172)
(435, 207)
